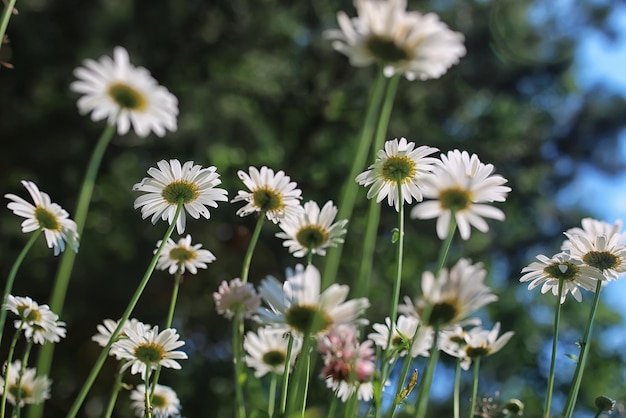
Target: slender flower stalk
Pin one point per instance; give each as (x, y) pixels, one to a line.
(350, 188)
(285, 383)
(12, 274)
(555, 335)
(582, 360)
(117, 386)
(399, 258)
(373, 216)
(427, 379)
(271, 404)
(80, 398)
(148, 409)
(245, 269)
(18, 398)
(6, 16)
(240, 371)
(66, 264)
(457, 388)
(474, 387)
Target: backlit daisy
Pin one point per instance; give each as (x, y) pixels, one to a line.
(45, 215)
(236, 296)
(125, 95)
(266, 350)
(31, 389)
(275, 195)
(38, 322)
(298, 304)
(461, 184)
(146, 348)
(403, 336)
(182, 255)
(479, 343)
(454, 295)
(600, 245)
(312, 230)
(172, 184)
(398, 163)
(573, 272)
(106, 330)
(408, 43)
(164, 403)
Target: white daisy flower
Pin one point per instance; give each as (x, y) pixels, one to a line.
(236, 296)
(47, 216)
(106, 330)
(573, 272)
(461, 184)
(479, 343)
(402, 335)
(454, 295)
(600, 245)
(31, 389)
(267, 350)
(182, 255)
(408, 43)
(298, 304)
(125, 95)
(273, 194)
(38, 322)
(146, 348)
(312, 230)
(172, 184)
(398, 163)
(164, 401)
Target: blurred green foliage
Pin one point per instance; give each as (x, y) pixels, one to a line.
(258, 85)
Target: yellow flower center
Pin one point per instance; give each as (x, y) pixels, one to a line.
(602, 260)
(386, 50)
(308, 318)
(46, 219)
(274, 358)
(267, 200)
(33, 315)
(398, 169)
(562, 271)
(180, 191)
(159, 401)
(127, 97)
(455, 199)
(181, 255)
(312, 236)
(149, 353)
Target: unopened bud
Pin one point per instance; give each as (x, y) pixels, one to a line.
(514, 407)
(605, 404)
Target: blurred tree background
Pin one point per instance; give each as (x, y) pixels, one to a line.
(258, 85)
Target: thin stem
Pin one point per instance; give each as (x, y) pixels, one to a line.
(580, 367)
(5, 387)
(240, 375)
(129, 309)
(6, 16)
(253, 241)
(445, 248)
(272, 398)
(285, 384)
(307, 376)
(557, 320)
(147, 413)
(117, 386)
(474, 387)
(399, 258)
(11, 279)
(457, 388)
(427, 380)
(66, 264)
(296, 398)
(168, 322)
(18, 398)
(332, 408)
(373, 217)
(350, 188)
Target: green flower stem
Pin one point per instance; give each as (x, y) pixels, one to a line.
(66, 264)
(350, 188)
(352, 406)
(168, 323)
(12, 274)
(253, 241)
(555, 338)
(271, 405)
(474, 387)
(117, 386)
(17, 410)
(296, 398)
(399, 257)
(6, 16)
(309, 258)
(427, 380)
(285, 383)
(373, 217)
(147, 413)
(240, 374)
(5, 387)
(307, 376)
(80, 398)
(332, 408)
(445, 248)
(580, 367)
(457, 388)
